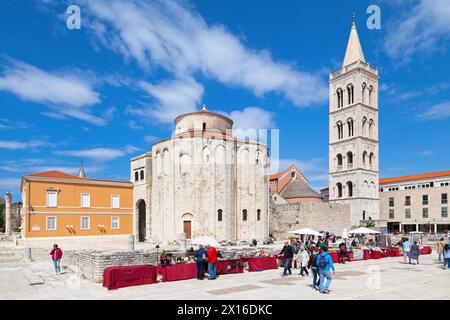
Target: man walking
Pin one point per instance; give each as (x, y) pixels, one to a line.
(440, 248)
(56, 254)
(288, 254)
(324, 263)
(212, 260)
(295, 249)
(314, 269)
(200, 257)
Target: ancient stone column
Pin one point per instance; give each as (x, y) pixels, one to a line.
(8, 214)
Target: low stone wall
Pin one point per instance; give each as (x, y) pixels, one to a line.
(90, 264)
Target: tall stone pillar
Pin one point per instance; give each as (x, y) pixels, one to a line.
(8, 213)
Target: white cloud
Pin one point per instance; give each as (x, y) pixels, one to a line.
(175, 37)
(424, 29)
(435, 112)
(32, 165)
(251, 122)
(99, 153)
(172, 99)
(67, 95)
(18, 145)
(10, 184)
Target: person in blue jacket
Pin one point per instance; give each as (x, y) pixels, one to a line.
(324, 264)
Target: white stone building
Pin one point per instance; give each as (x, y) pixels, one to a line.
(353, 125)
(202, 181)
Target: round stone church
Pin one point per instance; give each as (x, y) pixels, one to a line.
(202, 181)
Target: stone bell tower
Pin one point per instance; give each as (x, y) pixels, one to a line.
(353, 129)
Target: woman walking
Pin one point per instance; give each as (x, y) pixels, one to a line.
(414, 253)
(303, 258)
(446, 256)
(56, 254)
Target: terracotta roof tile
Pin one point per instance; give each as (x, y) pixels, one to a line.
(416, 176)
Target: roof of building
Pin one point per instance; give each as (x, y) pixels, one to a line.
(203, 111)
(419, 176)
(62, 175)
(354, 51)
(298, 189)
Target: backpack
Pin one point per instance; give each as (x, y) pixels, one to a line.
(323, 262)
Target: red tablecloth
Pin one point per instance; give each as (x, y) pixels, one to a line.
(281, 258)
(126, 276)
(334, 256)
(366, 254)
(396, 251)
(262, 263)
(229, 266)
(426, 250)
(181, 271)
(376, 254)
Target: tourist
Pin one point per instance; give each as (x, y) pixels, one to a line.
(414, 253)
(440, 248)
(302, 261)
(406, 249)
(446, 253)
(314, 269)
(288, 254)
(295, 249)
(212, 260)
(56, 254)
(342, 253)
(200, 257)
(324, 263)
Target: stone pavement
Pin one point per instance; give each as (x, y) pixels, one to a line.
(386, 278)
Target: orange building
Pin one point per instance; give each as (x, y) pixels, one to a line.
(57, 204)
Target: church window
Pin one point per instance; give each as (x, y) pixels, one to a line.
(258, 214)
(364, 121)
(370, 128)
(364, 156)
(204, 126)
(350, 94)
(371, 158)
(339, 190)
(136, 176)
(349, 158)
(350, 127)
(340, 98)
(340, 130)
(339, 160)
(219, 215)
(370, 95)
(142, 174)
(350, 188)
(244, 214)
(364, 85)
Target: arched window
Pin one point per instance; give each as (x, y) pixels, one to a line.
(370, 95)
(364, 157)
(219, 215)
(371, 158)
(364, 123)
(339, 160)
(370, 128)
(204, 126)
(349, 159)
(339, 190)
(136, 176)
(350, 189)
(258, 214)
(350, 94)
(340, 98)
(244, 214)
(340, 130)
(363, 98)
(142, 174)
(350, 127)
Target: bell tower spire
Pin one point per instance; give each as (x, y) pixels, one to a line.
(354, 50)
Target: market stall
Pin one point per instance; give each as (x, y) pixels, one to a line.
(178, 271)
(126, 276)
(261, 263)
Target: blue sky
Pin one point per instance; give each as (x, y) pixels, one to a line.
(104, 93)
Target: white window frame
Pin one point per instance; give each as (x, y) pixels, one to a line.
(112, 223)
(85, 194)
(46, 223)
(88, 224)
(112, 201)
(56, 198)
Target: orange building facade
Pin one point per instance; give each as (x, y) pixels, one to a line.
(56, 204)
